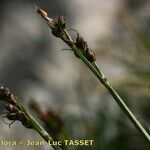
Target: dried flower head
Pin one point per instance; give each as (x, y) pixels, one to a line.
(81, 44)
(56, 25)
(90, 55)
(7, 96)
(14, 108)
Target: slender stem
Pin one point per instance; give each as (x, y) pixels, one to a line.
(128, 112)
(94, 68)
(37, 127)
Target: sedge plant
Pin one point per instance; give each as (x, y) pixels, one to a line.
(81, 50)
(17, 112)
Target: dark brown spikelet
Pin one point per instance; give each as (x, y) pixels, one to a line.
(15, 114)
(81, 43)
(56, 25)
(14, 108)
(7, 96)
(90, 55)
(11, 108)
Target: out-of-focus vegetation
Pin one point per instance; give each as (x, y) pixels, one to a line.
(32, 65)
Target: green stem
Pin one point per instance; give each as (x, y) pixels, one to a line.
(37, 127)
(93, 67)
(128, 112)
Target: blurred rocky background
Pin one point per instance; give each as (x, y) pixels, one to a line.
(33, 66)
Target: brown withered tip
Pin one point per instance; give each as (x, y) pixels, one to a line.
(43, 13)
(51, 22)
(39, 10)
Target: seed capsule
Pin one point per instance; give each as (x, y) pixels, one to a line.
(11, 108)
(90, 55)
(80, 43)
(83, 46)
(12, 116)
